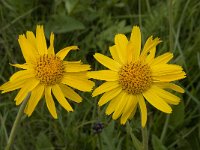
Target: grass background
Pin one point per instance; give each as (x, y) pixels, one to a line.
(92, 24)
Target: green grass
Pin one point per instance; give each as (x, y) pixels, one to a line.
(92, 24)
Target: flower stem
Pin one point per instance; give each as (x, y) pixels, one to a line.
(145, 138)
(136, 143)
(16, 123)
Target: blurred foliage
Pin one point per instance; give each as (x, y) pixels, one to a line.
(92, 24)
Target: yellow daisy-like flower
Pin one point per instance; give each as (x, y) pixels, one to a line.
(45, 73)
(134, 75)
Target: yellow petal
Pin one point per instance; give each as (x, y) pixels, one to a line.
(129, 108)
(50, 102)
(51, 47)
(121, 42)
(122, 101)
(162, 59)
(11, 86)
(170, 86)
(29, 52)
(70, 94)
(22, 74)
(156, 101)
(151, 56)
(107, 62)
(22, 66)
(106, 75)
(114, 53)
(133, 112)
(112, 105)
(41, 41)
(75, 67)
(63, 53)
(61, 98)
(150, 43)
(165, 69)
(36, 95)
(143, 109)
(169, 77)
(78, 83)
(29, 86)
(109, 95)
(31, 38)
(136, 42)
(105, 87)
(167, 96)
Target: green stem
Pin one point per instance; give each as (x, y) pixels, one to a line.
(16, 123)
(136, 143)
(170, 9)
(145, 138)
(164, 128)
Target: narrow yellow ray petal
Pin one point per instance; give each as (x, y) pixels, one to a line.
(120, 106)
(78, 83)
(164, 69)
(133, 112)
(172, 86)
(136, 41)
(22, 66)
(151, 55)
(129, 108)
(61, 98)
(50, 102)
(112, 105)
(40, 40)
(36, 95)
(121, 42)
(156, 101)
(107, 75)
(143, 109)
(167, 96)
(114, 54)
(107, 62)
(105, 87)
(109, 95)
(150, 43)
(169, 77)
(11, 86)
(31, 38)
(29, 52)
(63, 52)
(29, 86)
(162, 59)
(51, 47)
(70, 93)
(22, 74)
(75, 67)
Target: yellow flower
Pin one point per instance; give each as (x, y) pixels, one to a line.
(45, 73)
(134, 75)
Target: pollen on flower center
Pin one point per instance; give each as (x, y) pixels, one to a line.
(49, 69)
(135, 77)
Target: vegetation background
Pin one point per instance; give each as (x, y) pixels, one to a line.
(92, 24)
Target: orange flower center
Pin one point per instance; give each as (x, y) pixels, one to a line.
(49, 69)
(135, 77)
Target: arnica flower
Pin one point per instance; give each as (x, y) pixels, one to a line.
(45, 73)
(134, 75)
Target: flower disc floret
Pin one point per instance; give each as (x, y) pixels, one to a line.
(49, 69)
(135, 77)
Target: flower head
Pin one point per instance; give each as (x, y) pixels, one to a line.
(134, 75)
(45, 73)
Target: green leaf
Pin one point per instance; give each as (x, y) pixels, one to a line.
(63, 24)
(43, 142)
(177, 116)
(157, 144)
